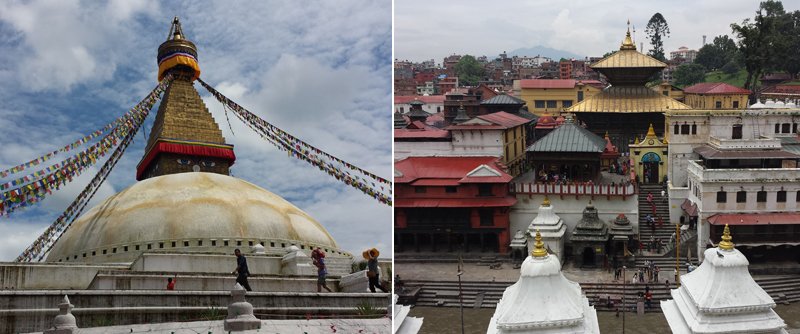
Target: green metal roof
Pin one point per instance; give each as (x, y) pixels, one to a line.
(569, 137)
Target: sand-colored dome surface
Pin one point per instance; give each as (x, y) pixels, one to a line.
(203, 212)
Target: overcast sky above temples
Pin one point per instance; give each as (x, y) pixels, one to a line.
(435, 29)
(321, 71)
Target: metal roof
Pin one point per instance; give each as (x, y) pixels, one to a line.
(711, 88)
(569, 137)
(629, 99)
(628, 59)
(711, 153)
(504, 99)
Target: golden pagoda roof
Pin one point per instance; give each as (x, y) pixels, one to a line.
(628, 99)
(628, 58)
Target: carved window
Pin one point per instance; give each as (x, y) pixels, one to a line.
(741, 196)
(781, 197)
(685, 129)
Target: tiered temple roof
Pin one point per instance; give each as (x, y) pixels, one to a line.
(590, 228)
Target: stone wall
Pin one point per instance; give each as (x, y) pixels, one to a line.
(25, 276)
(30, 311)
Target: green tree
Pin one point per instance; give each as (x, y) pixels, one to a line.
(730, 68)
(688, 74)
(715, 55)
(469, 71)
(656, 30)
(764, 41)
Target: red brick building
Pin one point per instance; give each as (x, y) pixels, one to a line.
(446, 203)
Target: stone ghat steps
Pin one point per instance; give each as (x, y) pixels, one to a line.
(783, 289)
(450, 258)
(130, 280)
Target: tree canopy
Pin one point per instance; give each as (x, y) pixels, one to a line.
(770, 42)
(717, 54)
(469, 71)
(656, 30)
(688, 74)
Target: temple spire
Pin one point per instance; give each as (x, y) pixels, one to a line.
(726, 243)
(627, 43)
(538, 246)
(175, 31)
(546, 201)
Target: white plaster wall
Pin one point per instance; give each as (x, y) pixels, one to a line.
(477, 142)
(405, 149)
(570, 209)
(27, 276)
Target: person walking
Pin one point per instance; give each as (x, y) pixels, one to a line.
(241, 270)
(322, 271)
(648, 296)
(373, 274)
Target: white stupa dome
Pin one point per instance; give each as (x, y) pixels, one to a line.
(188, 212)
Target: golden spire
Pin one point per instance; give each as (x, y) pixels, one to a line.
(606, 136)
(546, 201)
(726, 243)
(627, 43)
(651, 132)
(538, 246)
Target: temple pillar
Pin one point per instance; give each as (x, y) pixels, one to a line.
(503, 240)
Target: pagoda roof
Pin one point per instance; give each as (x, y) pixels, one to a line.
(628, 99)
(569, 137)
(715, 88)
(503, 99)
(628, 59)
(505, 119)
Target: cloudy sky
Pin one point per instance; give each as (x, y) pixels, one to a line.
(321, 71)
(435, 29)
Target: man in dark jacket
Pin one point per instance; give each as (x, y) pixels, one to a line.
(241, 270)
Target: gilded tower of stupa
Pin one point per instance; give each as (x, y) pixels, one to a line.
(185, 137)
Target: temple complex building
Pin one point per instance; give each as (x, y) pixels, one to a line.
(554, 95)
(737, 167)
(589, 239)
(716, 95)
(443, 203)
(627, 107)
(720, 296)
(183, 219)
(543, 300)
(650, 158)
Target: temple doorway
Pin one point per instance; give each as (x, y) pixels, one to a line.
(588, 256)
(650, 162)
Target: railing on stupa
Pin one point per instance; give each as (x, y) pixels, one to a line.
(33, 188)
(369, 183)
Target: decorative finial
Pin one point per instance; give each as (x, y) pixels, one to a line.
(606, 136)
(175, 32)
(627, 43)
(546, 201)
(538, 246)
(650, 131)
(726, 243)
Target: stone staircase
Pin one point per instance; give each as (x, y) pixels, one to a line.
(783, 289)
(663, 231)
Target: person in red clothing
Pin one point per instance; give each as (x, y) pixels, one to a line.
(648, 297)
(171, 282)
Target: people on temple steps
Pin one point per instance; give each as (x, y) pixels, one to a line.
(171, 282)
(318, 257)
(373, 274)
(241, 270)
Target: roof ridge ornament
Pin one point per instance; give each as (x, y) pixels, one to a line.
(538, 246)
(726, 243)
(627, 43)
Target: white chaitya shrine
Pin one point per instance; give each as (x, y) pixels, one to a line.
(551, 227)
(721, 297)
(543, 300)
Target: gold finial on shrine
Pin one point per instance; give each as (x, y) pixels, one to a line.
(606, 136)
(651, 132)
(546, 201)
(538, 246)
(627, 43)
(726, 243)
